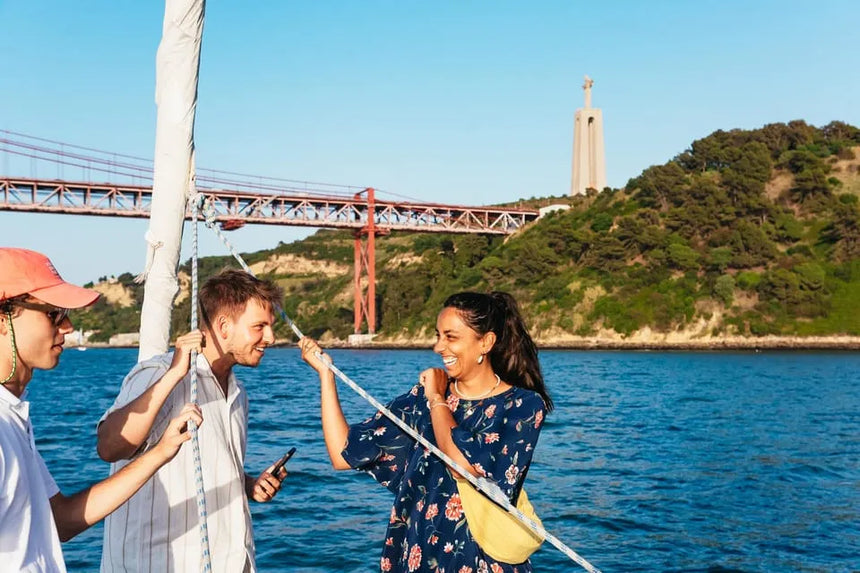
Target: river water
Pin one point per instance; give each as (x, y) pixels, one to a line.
(652, 461)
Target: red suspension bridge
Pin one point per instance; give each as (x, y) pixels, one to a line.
(236, 199)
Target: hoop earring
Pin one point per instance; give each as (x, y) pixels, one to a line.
(481, 359)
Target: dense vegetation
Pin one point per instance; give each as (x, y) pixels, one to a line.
(746, 232)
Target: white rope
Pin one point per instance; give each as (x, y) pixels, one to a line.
(152, 246)
(485, 486)
(206, 563)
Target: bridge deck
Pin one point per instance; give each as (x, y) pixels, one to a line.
(232, 207)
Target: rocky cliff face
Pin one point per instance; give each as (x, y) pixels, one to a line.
(115, 293)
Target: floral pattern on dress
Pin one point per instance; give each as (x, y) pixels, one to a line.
(427, 529)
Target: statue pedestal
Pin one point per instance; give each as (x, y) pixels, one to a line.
(589, 162)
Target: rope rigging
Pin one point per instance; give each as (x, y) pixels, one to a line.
(206, 562)
(482, 484)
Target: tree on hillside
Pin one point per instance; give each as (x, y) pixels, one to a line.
(660, 186)
(469, 250)
(629, 231)
(844, 230)
(800, 133)
(402, 297)
(799, 160)
(706, 207)
(705, 154)
(752, 161)
(776, 136)
(799, 291)
(841, 131)
(750, 245)
(811, 189)
(606, 253)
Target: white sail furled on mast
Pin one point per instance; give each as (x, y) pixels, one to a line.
(177, 71)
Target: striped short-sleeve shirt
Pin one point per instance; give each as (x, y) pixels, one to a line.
(157, 530)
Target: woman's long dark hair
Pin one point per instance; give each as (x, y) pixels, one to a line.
(514, 355)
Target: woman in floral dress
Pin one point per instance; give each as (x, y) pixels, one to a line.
(485, 410)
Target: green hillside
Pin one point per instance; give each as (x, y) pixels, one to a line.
(745, 233)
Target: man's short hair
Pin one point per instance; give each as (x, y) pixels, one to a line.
(230, 290)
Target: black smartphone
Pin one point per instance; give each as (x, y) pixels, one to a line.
(282, 462)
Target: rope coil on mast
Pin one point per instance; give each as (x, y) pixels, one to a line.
(485, 486)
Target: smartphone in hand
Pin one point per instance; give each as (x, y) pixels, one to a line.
(282, 462)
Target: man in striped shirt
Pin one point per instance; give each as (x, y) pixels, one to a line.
(157, 530)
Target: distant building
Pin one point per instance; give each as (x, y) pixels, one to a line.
(551, 208)
(589, 162)
(125, 339)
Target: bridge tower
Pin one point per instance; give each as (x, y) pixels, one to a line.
(365, 268)
(589, 161)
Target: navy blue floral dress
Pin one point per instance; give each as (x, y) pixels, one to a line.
(427, 530)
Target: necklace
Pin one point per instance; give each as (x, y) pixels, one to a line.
(484, 395)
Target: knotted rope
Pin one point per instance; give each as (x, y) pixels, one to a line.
(482, 484)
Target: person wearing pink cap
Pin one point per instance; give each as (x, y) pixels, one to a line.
(34, 515)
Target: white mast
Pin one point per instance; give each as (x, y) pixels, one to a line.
(177, 69)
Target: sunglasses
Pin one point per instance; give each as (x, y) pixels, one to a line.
(55, 314)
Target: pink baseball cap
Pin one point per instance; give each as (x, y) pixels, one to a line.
(29, 272)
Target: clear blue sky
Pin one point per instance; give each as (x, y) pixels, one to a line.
(458, 102)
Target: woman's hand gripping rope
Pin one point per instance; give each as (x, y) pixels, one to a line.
(315, 357)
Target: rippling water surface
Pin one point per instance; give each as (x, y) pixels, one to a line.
(650, 462)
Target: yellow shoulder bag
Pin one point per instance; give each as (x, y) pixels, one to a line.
(501, 535)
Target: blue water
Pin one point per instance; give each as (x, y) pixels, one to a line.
(677, 462)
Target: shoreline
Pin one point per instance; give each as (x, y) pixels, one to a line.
(786, 343)
(843, 343)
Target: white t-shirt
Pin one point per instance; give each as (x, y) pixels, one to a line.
(158, 529)
(28, 534)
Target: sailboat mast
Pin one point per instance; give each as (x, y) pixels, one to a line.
(177, 72)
